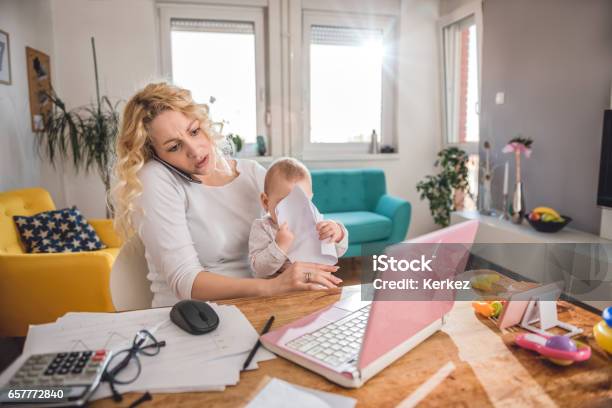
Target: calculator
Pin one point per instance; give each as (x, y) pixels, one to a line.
(56, 379)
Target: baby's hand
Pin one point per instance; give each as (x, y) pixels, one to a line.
(330, 229)
(284, 237)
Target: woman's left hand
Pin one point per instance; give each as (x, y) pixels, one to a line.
(330, 229)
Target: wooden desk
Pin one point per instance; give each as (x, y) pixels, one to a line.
(584, 384)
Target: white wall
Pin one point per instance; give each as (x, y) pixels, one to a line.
(448, 6)
(28, 24)
(127, 45)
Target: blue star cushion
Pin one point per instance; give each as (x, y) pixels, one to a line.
(57, 231)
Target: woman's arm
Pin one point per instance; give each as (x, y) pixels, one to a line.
(162, 227)
(212, 286)
(298, 276)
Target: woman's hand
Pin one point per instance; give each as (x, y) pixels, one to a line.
(330, 229)
(304, 276)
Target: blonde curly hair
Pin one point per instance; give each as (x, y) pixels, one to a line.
(134, 146)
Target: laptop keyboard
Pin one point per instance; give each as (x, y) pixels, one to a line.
(338, 342)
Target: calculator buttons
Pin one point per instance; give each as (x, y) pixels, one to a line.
(76, 373)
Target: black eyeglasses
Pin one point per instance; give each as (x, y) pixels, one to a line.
(124, 366)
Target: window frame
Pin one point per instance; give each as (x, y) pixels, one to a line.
(474, 10)
(387, 24)
(253, 15)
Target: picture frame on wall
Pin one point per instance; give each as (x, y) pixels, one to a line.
(5, 58)
(39, 83)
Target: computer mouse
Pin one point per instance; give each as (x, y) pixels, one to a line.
(194, 316)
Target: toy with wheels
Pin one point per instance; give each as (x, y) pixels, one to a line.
(603, 330)
(560, 350)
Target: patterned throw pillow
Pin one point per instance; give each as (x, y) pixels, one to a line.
(57, 231)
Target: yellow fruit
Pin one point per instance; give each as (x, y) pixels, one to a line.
(547, 218)
(547, 210)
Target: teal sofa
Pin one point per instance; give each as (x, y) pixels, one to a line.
(358, 198)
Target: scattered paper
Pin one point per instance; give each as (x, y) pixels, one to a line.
(350, 291)
(279, 393)
(187, 362)
(302, 216)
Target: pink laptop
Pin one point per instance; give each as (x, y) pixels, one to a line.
(351, 341)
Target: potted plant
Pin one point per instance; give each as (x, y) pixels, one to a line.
(236, 141)
(446, 190)
(85, 135)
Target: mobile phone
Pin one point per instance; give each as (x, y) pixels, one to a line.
(182, 174)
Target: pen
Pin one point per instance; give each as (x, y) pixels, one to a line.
(258, 344)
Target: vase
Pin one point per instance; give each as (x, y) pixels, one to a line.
(518, 204)
(261, 145)
(486, 207)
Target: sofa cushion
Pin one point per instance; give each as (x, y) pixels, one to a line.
(57, 231)
(363, 226)
(114, 252)
(341, 190)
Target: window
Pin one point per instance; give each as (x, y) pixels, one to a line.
(218, 54)
(348, 82)
(345, 84)
(308, 77)
(229, 88)
(460, 53)
(461, 83)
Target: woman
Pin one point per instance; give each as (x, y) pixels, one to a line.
(194, 222)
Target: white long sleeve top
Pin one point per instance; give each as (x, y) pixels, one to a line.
(187, 228)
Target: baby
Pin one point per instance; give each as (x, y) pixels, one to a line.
(269, 243)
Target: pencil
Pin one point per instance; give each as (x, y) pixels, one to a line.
(258, 344)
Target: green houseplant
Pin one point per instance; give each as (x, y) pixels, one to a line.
(237, 141)
(85, 135)
(440, 188)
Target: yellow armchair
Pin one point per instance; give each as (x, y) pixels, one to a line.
(39, 288)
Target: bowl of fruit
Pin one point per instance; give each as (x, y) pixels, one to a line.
(546, 219)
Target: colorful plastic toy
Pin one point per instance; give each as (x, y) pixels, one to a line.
(603, 330)
(488, 308)
(485, 282)
(560, 350)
